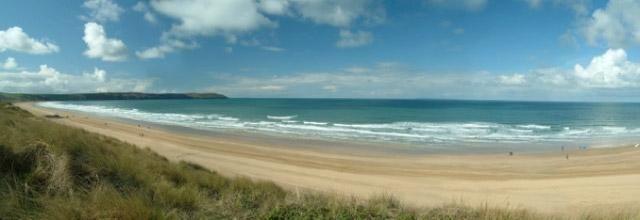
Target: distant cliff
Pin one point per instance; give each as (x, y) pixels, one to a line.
(107, 96)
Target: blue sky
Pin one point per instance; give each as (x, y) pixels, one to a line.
(578, 50)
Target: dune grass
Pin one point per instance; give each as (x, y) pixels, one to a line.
(51, 171)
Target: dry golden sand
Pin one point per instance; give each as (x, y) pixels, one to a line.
(602, 179)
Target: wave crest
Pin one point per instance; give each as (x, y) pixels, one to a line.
(287, 117)
(416, 132)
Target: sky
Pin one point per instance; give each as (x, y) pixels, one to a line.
(543, 50)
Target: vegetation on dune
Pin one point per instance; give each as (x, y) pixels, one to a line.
(50, 171)
(106, 96)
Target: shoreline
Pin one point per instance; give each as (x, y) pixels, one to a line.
(545, 182)
(367, 145)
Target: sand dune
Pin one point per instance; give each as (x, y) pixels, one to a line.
(604, 178)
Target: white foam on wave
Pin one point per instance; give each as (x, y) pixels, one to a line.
(536, 127)
(314, 123)
(228, 118)
(288, 117)
(420, 132)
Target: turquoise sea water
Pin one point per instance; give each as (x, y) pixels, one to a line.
(421, 123)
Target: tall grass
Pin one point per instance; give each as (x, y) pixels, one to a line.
(50, 171)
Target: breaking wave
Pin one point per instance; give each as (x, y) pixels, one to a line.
(413, 132)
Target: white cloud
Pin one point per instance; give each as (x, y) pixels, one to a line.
(98, 75)
(330, 88)
(103, 10)
(340, 13)
(356, 69)
(513, 80)
(274, 7)
(15, 39)
(212, 17)
(144, 9)
(167, 46)
(230, 18)
(381, 81)
(610, 70)
(609, 76)
(10, 63)
(102, 47)
(579, 7)
(272, 48)
(204, 18)
(337, 13)
(49, 80)
(618, 25)
(271, 88)
(354, 39)
(471, 5)
(554, 77)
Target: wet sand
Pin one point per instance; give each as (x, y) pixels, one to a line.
(591, 179)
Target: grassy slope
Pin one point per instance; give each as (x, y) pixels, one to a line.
(51, 171)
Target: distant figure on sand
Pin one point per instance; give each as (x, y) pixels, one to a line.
(567, 156)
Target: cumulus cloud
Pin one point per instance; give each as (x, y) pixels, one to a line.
(274, 7)
(204, 18)
(207, 17)
(609, 70)
(49, 80)
(471, 5)
(617, 25)
(102, 10)
(102, 47)
(609, 76)
(15, 39)
(98, 75)
(10, 63)
(354, 39)
(231, 18)
(144, 9)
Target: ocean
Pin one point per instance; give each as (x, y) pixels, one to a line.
(438, 124)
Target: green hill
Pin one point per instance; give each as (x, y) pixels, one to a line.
(107, 96)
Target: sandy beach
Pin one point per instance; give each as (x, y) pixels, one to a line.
(605, 178)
